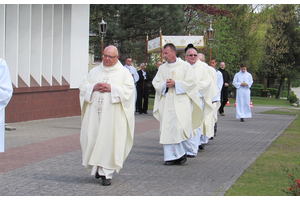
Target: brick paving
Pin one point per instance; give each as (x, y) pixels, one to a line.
(43, 158)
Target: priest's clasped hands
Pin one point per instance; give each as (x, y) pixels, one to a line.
(170, 83)
(244, 84)
(102, 87)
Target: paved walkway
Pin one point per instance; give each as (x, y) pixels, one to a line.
(43, 157)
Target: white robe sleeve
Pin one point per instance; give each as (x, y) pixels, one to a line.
(115, 96)
(6, 89)
(136, 76)
(236, 82)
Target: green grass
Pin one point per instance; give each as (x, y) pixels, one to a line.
(265, 101)
(255, 101)
(266, 176)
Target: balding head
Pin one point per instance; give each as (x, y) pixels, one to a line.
(222, 65)
(201, 57)
(110, 56)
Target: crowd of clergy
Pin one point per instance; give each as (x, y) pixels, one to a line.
(187, 99)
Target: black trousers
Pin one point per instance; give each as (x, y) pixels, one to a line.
(142, 106)
(224, 99)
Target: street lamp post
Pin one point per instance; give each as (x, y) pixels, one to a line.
(102, 31)
(210, 38)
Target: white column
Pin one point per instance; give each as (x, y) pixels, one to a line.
(11, 44)
(79, 43)
(66, 42)
(47, 45)
(24, 42)
(57, 43)
(36, 43)
(2, 31)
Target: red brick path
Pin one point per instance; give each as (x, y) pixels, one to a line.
(25, 155)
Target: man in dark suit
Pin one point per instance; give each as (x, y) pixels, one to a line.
(158, 64)
(142, 89)
(224, 91)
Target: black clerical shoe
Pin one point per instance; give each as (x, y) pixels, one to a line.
(105, 181)
(141, 112)
(179, 161)
(201, 147)
(169, 162)
(242, 120)
(97, 176)
(145, 112)
(191, 156)
(211, 138)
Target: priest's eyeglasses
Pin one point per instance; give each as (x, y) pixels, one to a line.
(105, 56)
(191, 55)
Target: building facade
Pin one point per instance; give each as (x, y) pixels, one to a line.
(46, 48)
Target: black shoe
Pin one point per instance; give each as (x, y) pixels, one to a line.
(191, 156)
(242, 120)
(179, 161)
(211, 138)
(105, 181)
(201, 147)
(141, 112)
(169, 162)
(97, 176)
(145, 112)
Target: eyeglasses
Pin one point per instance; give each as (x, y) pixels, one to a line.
(191, 55)
(105, 56)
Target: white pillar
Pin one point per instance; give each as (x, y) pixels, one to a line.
(24, 42)
(47, 46)
(36, 43)
(11, 44)
(79, 43)
(66, 59)
(57, 43)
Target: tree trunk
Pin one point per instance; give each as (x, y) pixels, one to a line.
(271, 82)
(289, 87)
(280, 88)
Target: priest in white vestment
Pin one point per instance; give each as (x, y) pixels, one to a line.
(217, 99)
(203, 80)
(176, 106)
(243, 81)
(209, 120)
(6, 91)
(107, 97)
(133, 72)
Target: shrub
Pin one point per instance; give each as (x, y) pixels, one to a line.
(255, 91)
(284, 93)
(261, 86)
(273, 91)
(294, 184)
(293, 98)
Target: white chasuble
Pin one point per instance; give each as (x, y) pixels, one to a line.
(173, 109)
(204, 83)
(243, 109)
(107, 128)
(6, 91)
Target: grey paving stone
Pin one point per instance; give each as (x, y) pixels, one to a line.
(211, 173)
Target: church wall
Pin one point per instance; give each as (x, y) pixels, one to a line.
(46, 48)
(42, 103)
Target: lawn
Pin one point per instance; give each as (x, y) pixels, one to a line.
(267, 175)
(265, 101)
(255, 101)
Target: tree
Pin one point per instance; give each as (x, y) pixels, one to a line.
(128, 25)
(282, 46)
